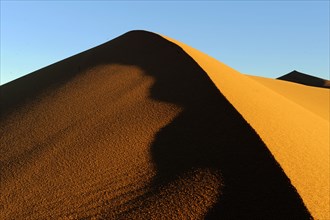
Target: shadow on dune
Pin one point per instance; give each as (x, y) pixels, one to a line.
(208, 133)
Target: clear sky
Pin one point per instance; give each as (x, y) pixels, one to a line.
(266, 38)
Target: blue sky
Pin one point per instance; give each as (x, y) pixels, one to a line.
(266, 38)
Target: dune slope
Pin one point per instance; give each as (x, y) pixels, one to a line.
(316, 100)
(297, 137)
(133, 129)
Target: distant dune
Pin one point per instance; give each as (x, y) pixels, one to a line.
(146, 128)
(305, 79)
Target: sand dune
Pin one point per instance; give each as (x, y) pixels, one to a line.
(141, 128)
(312, 98)
(305, 79)
(297, 137)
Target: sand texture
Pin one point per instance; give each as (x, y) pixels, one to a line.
(139, 128)
(296, 135)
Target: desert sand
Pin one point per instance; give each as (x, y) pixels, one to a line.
(316, 100)
(297, 137)
(144, 128)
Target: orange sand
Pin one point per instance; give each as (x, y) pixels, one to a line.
(316, 100)
(135, 129)
(291, 128)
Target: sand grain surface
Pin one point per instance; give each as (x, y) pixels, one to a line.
(136, 129)
(295, 129)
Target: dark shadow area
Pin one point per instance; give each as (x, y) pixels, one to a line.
(209, 133)
(305, 79)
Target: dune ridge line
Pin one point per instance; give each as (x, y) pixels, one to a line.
(298, 139)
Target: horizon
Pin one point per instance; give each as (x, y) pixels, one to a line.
(33, 36)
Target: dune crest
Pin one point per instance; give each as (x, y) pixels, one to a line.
(305, 79)
(297, 137)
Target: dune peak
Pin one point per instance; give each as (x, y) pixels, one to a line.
(305, 79)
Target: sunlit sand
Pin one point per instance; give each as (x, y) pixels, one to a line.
(292, 120)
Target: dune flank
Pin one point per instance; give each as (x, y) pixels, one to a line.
(292, 130)
(139, 128)
(315, 99)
